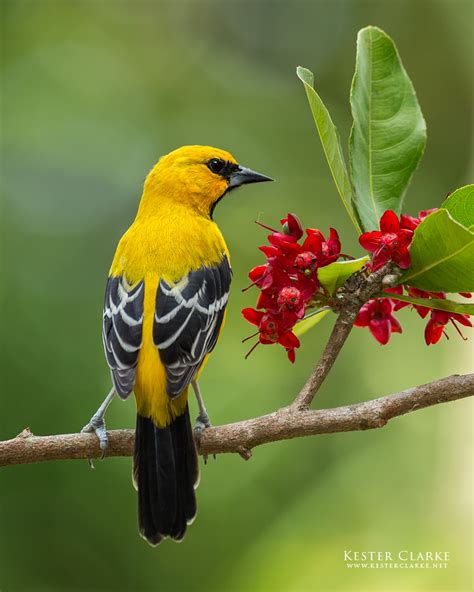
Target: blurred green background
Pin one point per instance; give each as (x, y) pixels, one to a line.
(92, 94)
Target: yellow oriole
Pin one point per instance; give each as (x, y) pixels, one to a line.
(164, 310)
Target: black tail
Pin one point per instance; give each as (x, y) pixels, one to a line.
(165, 471)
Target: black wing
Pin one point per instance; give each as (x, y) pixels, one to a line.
(188, 318)
(122, 331)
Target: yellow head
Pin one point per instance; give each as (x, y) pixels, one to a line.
(196, 177)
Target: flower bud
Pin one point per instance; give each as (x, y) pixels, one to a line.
(292, 226)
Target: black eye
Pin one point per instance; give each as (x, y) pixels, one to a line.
(216, 165)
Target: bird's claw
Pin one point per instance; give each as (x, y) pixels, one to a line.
(202, 423)
(97, 426)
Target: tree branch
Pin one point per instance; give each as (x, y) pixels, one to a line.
(242, 436)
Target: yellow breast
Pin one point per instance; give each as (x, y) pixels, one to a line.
(170, 244)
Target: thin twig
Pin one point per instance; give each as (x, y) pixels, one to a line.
(356, 291)
(242, 436)
(339, 335)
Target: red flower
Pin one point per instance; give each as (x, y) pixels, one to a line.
(423, 311)
(325, 252)
(390, 243)
(376, 314)
(410, 223)
(438, 320)
(272, 329)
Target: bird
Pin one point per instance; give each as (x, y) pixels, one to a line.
(164, 310)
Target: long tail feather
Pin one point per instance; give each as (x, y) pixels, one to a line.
(165, 472)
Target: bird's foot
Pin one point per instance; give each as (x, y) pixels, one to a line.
(202, 423)
(96, 425)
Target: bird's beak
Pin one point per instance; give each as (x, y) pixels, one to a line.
(243, 175)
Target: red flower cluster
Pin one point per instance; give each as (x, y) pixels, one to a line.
(438, 318)
(391, 243)
(289, 285)
(288, 281)
(376, 314)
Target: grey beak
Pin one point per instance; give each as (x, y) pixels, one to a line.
(243, 175)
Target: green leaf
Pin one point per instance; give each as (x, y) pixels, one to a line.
(389, 133)
(331, 143)
(460, 204)
(334, 275)
(442, 256)
(436, 303)
(309, 322)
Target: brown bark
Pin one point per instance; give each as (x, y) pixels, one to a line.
(242, 436)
